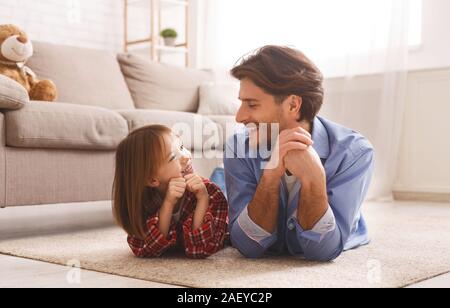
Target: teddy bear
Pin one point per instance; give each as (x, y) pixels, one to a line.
(15, 50)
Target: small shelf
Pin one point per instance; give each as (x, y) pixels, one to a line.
(160, 48)
(154, 41)
(172, 49)
(138, 42)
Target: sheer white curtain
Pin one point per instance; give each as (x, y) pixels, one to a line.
(361, 47)
(371, 95)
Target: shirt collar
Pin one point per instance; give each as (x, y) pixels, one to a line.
(320, 138)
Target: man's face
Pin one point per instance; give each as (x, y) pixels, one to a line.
(258, 107)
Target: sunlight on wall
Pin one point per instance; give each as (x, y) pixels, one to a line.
(323, 28)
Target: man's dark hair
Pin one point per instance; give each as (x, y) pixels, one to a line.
(281, 72)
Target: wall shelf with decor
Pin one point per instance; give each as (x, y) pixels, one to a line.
(151, 19)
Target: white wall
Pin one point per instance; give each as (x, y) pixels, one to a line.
(424, 164)
(435, 49)
(85, 23)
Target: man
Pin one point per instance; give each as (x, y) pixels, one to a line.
(308, 202)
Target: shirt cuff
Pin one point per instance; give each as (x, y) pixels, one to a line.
(324, 226)
(251, 229)
(155, 236)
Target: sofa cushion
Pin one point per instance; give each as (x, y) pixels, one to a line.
(198, 132)
(82, 76)
(162, 87)
(219, 98)
(64, 126)
(12, 94)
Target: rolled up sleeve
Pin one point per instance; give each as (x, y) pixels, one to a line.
(255, 232)
(324, 226)
(346, 194)
(155, 244)
(251, 240)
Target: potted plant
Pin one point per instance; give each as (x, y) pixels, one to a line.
(169, 36)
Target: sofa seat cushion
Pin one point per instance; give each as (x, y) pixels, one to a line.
(83, 76)
(64, 126)
(198, 132)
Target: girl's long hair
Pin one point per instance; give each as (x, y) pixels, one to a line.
(138, 158)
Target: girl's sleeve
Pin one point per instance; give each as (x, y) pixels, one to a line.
(210, 237)
(155, 244)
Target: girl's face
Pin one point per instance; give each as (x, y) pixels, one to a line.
(177, 162)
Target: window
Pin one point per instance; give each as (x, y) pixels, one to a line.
(323, 29)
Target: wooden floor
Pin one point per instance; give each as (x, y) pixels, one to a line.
(62, 218)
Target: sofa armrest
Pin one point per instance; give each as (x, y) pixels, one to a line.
(13, 96)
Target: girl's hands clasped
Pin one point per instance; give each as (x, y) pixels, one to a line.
(195, 185)
(175, 191)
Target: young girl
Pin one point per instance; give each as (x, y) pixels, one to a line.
(160, 202)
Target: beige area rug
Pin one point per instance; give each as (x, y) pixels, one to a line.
(411, 242)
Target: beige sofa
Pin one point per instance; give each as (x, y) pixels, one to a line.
(63, 152)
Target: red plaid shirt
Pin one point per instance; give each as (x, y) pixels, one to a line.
(200, 243)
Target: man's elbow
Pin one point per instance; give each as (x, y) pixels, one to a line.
(254, 251)
(251, 254)
(323, 256)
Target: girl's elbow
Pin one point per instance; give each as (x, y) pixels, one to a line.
(199, 254)
(143, 254)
